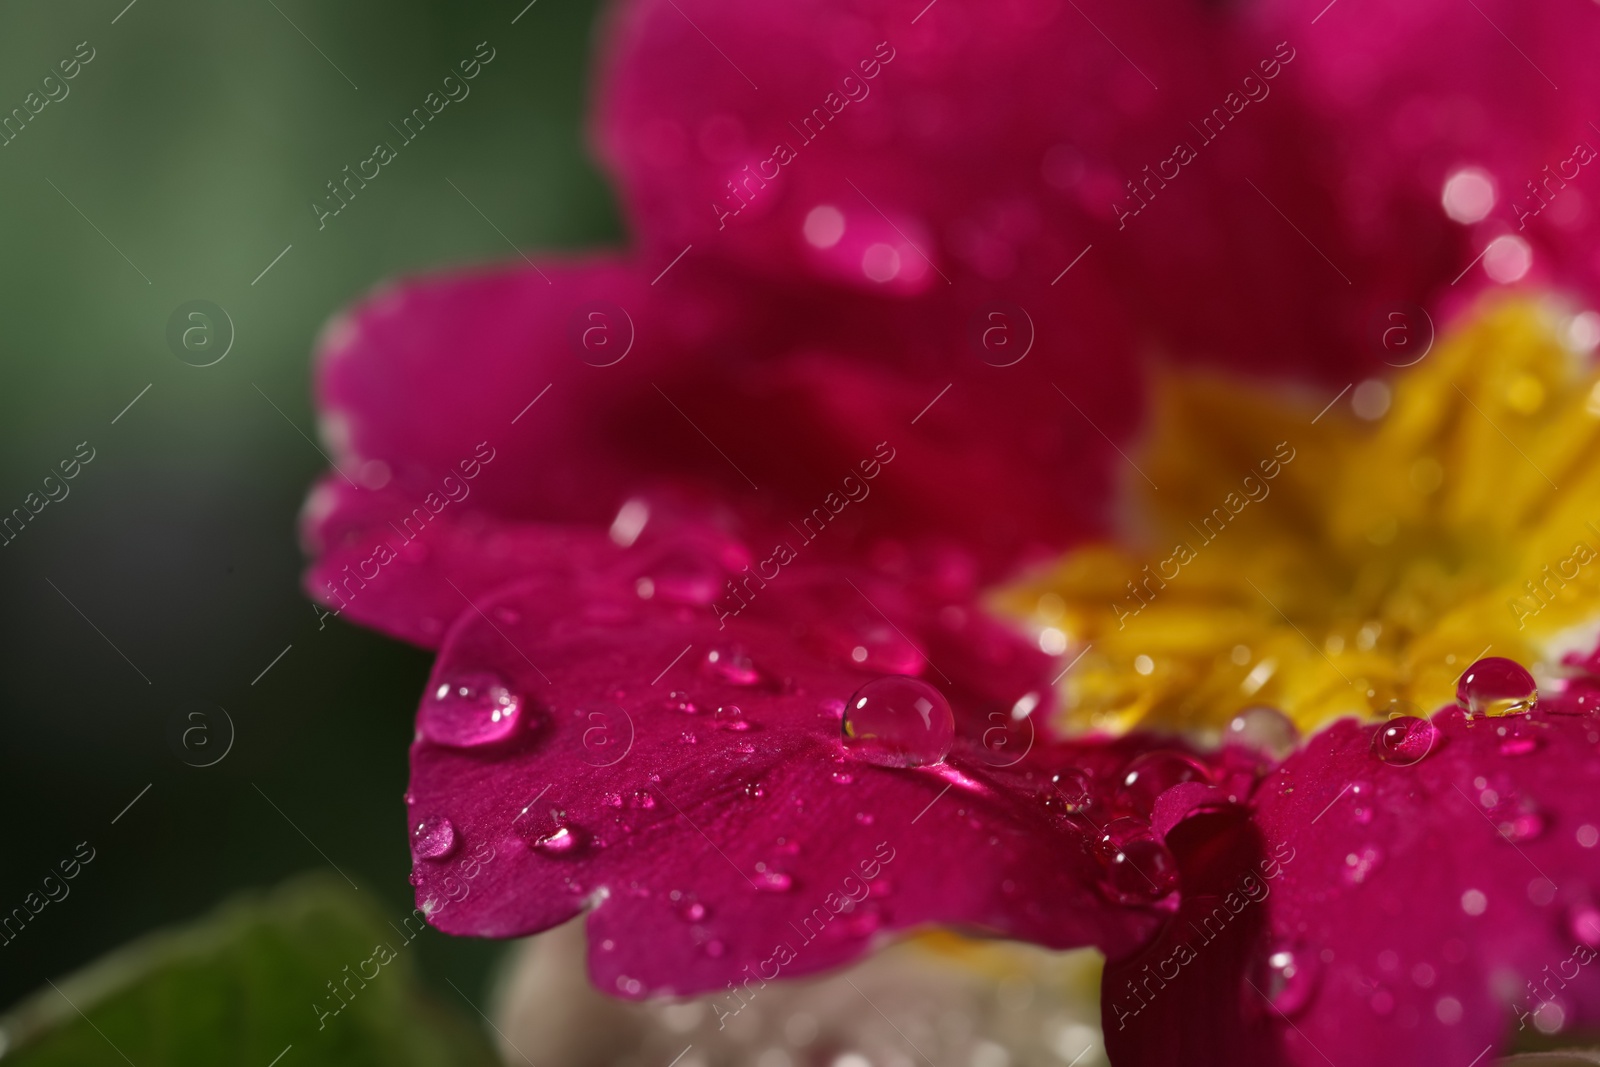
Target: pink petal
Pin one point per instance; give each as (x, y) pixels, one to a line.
(1418, 909)
(699, 837)
(1445, 90)
(463, 412)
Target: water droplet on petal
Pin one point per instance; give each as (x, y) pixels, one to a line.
(1265, 730)
(433, 838)
(730, 717)
(772, 881)
(1496, 686)
(1291, 978)
(1403, 741)
(732, 665)
(1070, 792)
(1521, 826)
(466, 710)
(693, 911)
(563, 841)
(896, 721)
(1359, 865)
(1584, 922)
(1137, 867)
(679, 701)
(1152, 774)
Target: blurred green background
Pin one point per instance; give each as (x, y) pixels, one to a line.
(193, 142)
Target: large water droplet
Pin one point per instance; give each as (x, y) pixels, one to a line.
(465, 710)
(1496, 686)
(1265, 730)
(1291, 978)
(1403, 741)
(1152, 774)
(1137, 867)
(732, 665)
(730, 717)
(896, 721)
(433, 838)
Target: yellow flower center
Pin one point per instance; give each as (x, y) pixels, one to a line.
(1336, 563)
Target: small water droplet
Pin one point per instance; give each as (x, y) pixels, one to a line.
(1152, 774)
(1520, 826)
(563, 841)
(732, 665)
(772, 881)
(1265, 730)
(693, 911)
(1584, 922)
(1070, 792)
(1496, 686)
(688, 738)
(433, 838)
(679, 701)
(755, 789)
(864, 818)
(1359, 865)
(1404, 741)
(730, 717)
(1291, 978)
(466, 710)
(1137, 868)
(896, 721)
(843, 777)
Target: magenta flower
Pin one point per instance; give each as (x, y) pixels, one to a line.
(713, 536)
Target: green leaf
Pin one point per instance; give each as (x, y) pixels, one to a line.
(246, 983)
